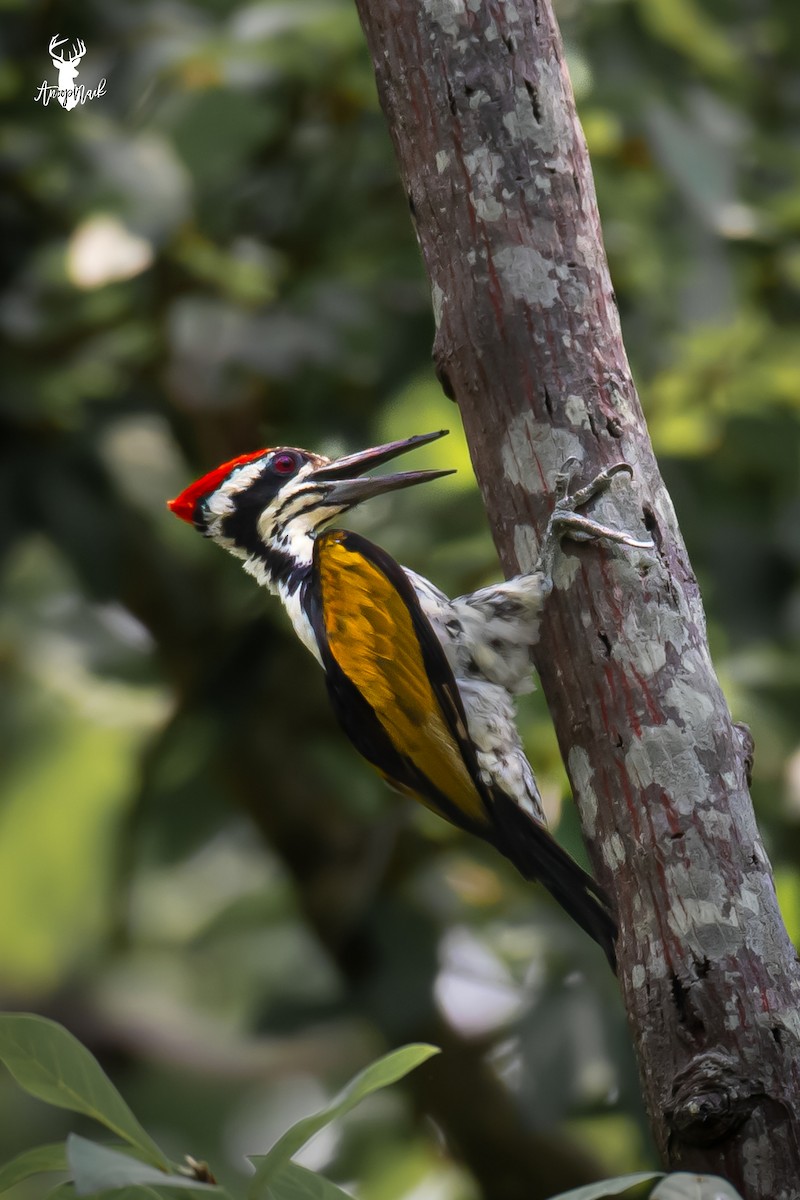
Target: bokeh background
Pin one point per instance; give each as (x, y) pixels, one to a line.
(197, 874)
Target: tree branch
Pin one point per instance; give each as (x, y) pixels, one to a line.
(528, 342)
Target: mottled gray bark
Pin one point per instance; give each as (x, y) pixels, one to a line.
(528, 342)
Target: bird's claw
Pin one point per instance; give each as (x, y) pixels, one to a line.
(593, 488)
(567, 521)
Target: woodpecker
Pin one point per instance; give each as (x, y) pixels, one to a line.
(424, 686)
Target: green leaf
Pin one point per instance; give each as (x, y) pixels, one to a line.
(51, 1157)
(64, 1191)
(608, 1187)
(297, 1183)
(380, 1074)
(98, 1168)
(684, 1186)
(137, 1191)
(47, 1061)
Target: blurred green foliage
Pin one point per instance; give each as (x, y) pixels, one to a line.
(48, 1062)
(196, 873)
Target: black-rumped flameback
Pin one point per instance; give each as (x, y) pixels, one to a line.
(423, 686)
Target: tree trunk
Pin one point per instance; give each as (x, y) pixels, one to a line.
(528, 342)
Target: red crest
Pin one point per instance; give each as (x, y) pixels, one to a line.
(184, 505)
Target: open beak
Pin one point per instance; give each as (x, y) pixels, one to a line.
(348, 486)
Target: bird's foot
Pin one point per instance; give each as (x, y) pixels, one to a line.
(567, 521)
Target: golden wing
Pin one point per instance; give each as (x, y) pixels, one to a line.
(395, 696)
(389, 680)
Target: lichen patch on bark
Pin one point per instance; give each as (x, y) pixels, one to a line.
(526, 543)
(661, 757)
(525, 272)
(533, 448)
(581, 773)
(576, 411)
(447, 14)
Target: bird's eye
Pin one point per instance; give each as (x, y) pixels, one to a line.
(285, 463)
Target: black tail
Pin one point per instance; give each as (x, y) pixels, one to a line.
(537, 855)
